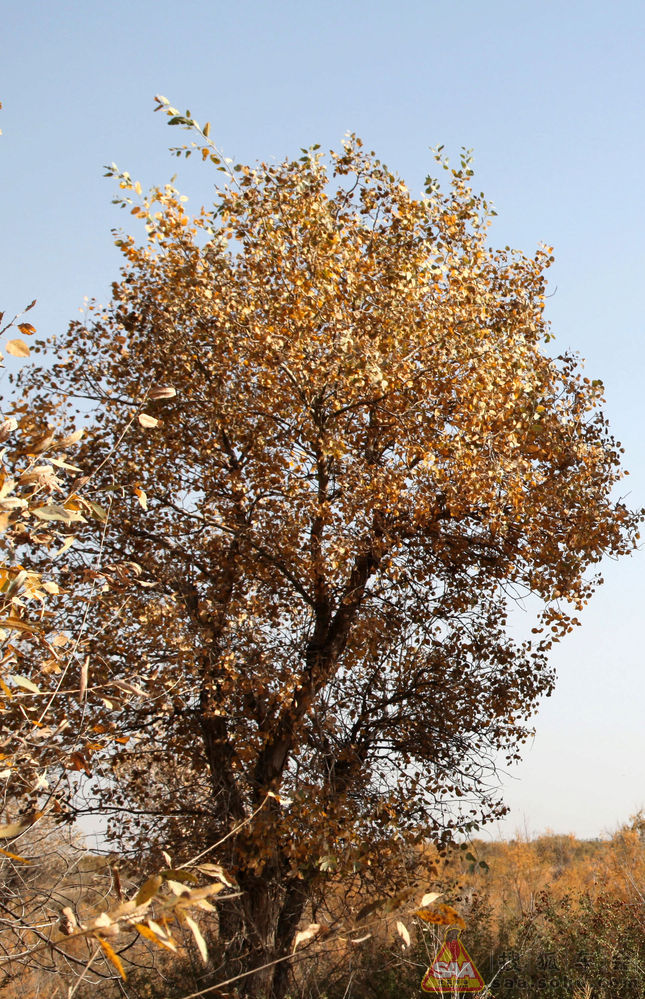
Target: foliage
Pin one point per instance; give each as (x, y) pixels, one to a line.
(556, 917)
(334, 450)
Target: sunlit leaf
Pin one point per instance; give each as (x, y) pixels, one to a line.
(199, 939)
(402, 930)
(302, 936)
(148, 889)
(18, 348)
(112, 956)
(25, 683)
(146, 420)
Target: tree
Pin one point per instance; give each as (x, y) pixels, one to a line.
(350, 453)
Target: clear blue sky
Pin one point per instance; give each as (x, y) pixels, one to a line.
(550, 97)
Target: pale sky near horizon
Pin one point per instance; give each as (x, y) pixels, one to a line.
(550, 98)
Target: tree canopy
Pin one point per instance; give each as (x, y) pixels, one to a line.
(339, 450)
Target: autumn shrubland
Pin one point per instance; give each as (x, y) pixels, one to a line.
(551, 916)
(265, 516)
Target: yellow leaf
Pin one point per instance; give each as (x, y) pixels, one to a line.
(18, 348)
(22, 681)
(146, 932)
(112, 955)
(13, 829)
(14, 856)
(148, 889)
(163, 936)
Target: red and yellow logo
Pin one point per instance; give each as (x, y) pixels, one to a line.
(452, 972)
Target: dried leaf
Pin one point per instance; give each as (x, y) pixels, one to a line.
(18, 348)
(162, 934)
(22, 681)
(146, 420)
(199, 939)
(148, 889)
(150, 934)
(13, 829)
(112, 955)
(307, 934)
(70, 439)
(99, 511)
(141, 497)
(13, 856)
(56, 512)
(429, 898)
(177, 889)
(443, 915)
(216, 871)
(83, 678)
(67, 544)
(130, 688)
(402, 930)
(162, 392)
(187, 877)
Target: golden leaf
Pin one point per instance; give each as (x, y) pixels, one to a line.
(148, 889)
(112, 955)
(18, 348)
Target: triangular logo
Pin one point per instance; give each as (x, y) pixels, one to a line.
(452, 972)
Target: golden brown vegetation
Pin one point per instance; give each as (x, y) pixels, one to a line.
(326, 448)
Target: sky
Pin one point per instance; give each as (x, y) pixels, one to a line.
(550, 98)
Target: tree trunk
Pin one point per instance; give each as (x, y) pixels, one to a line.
(271, 915)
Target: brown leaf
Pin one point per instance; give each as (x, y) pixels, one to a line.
(162, 392)
(83, 679)
(443, 915)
